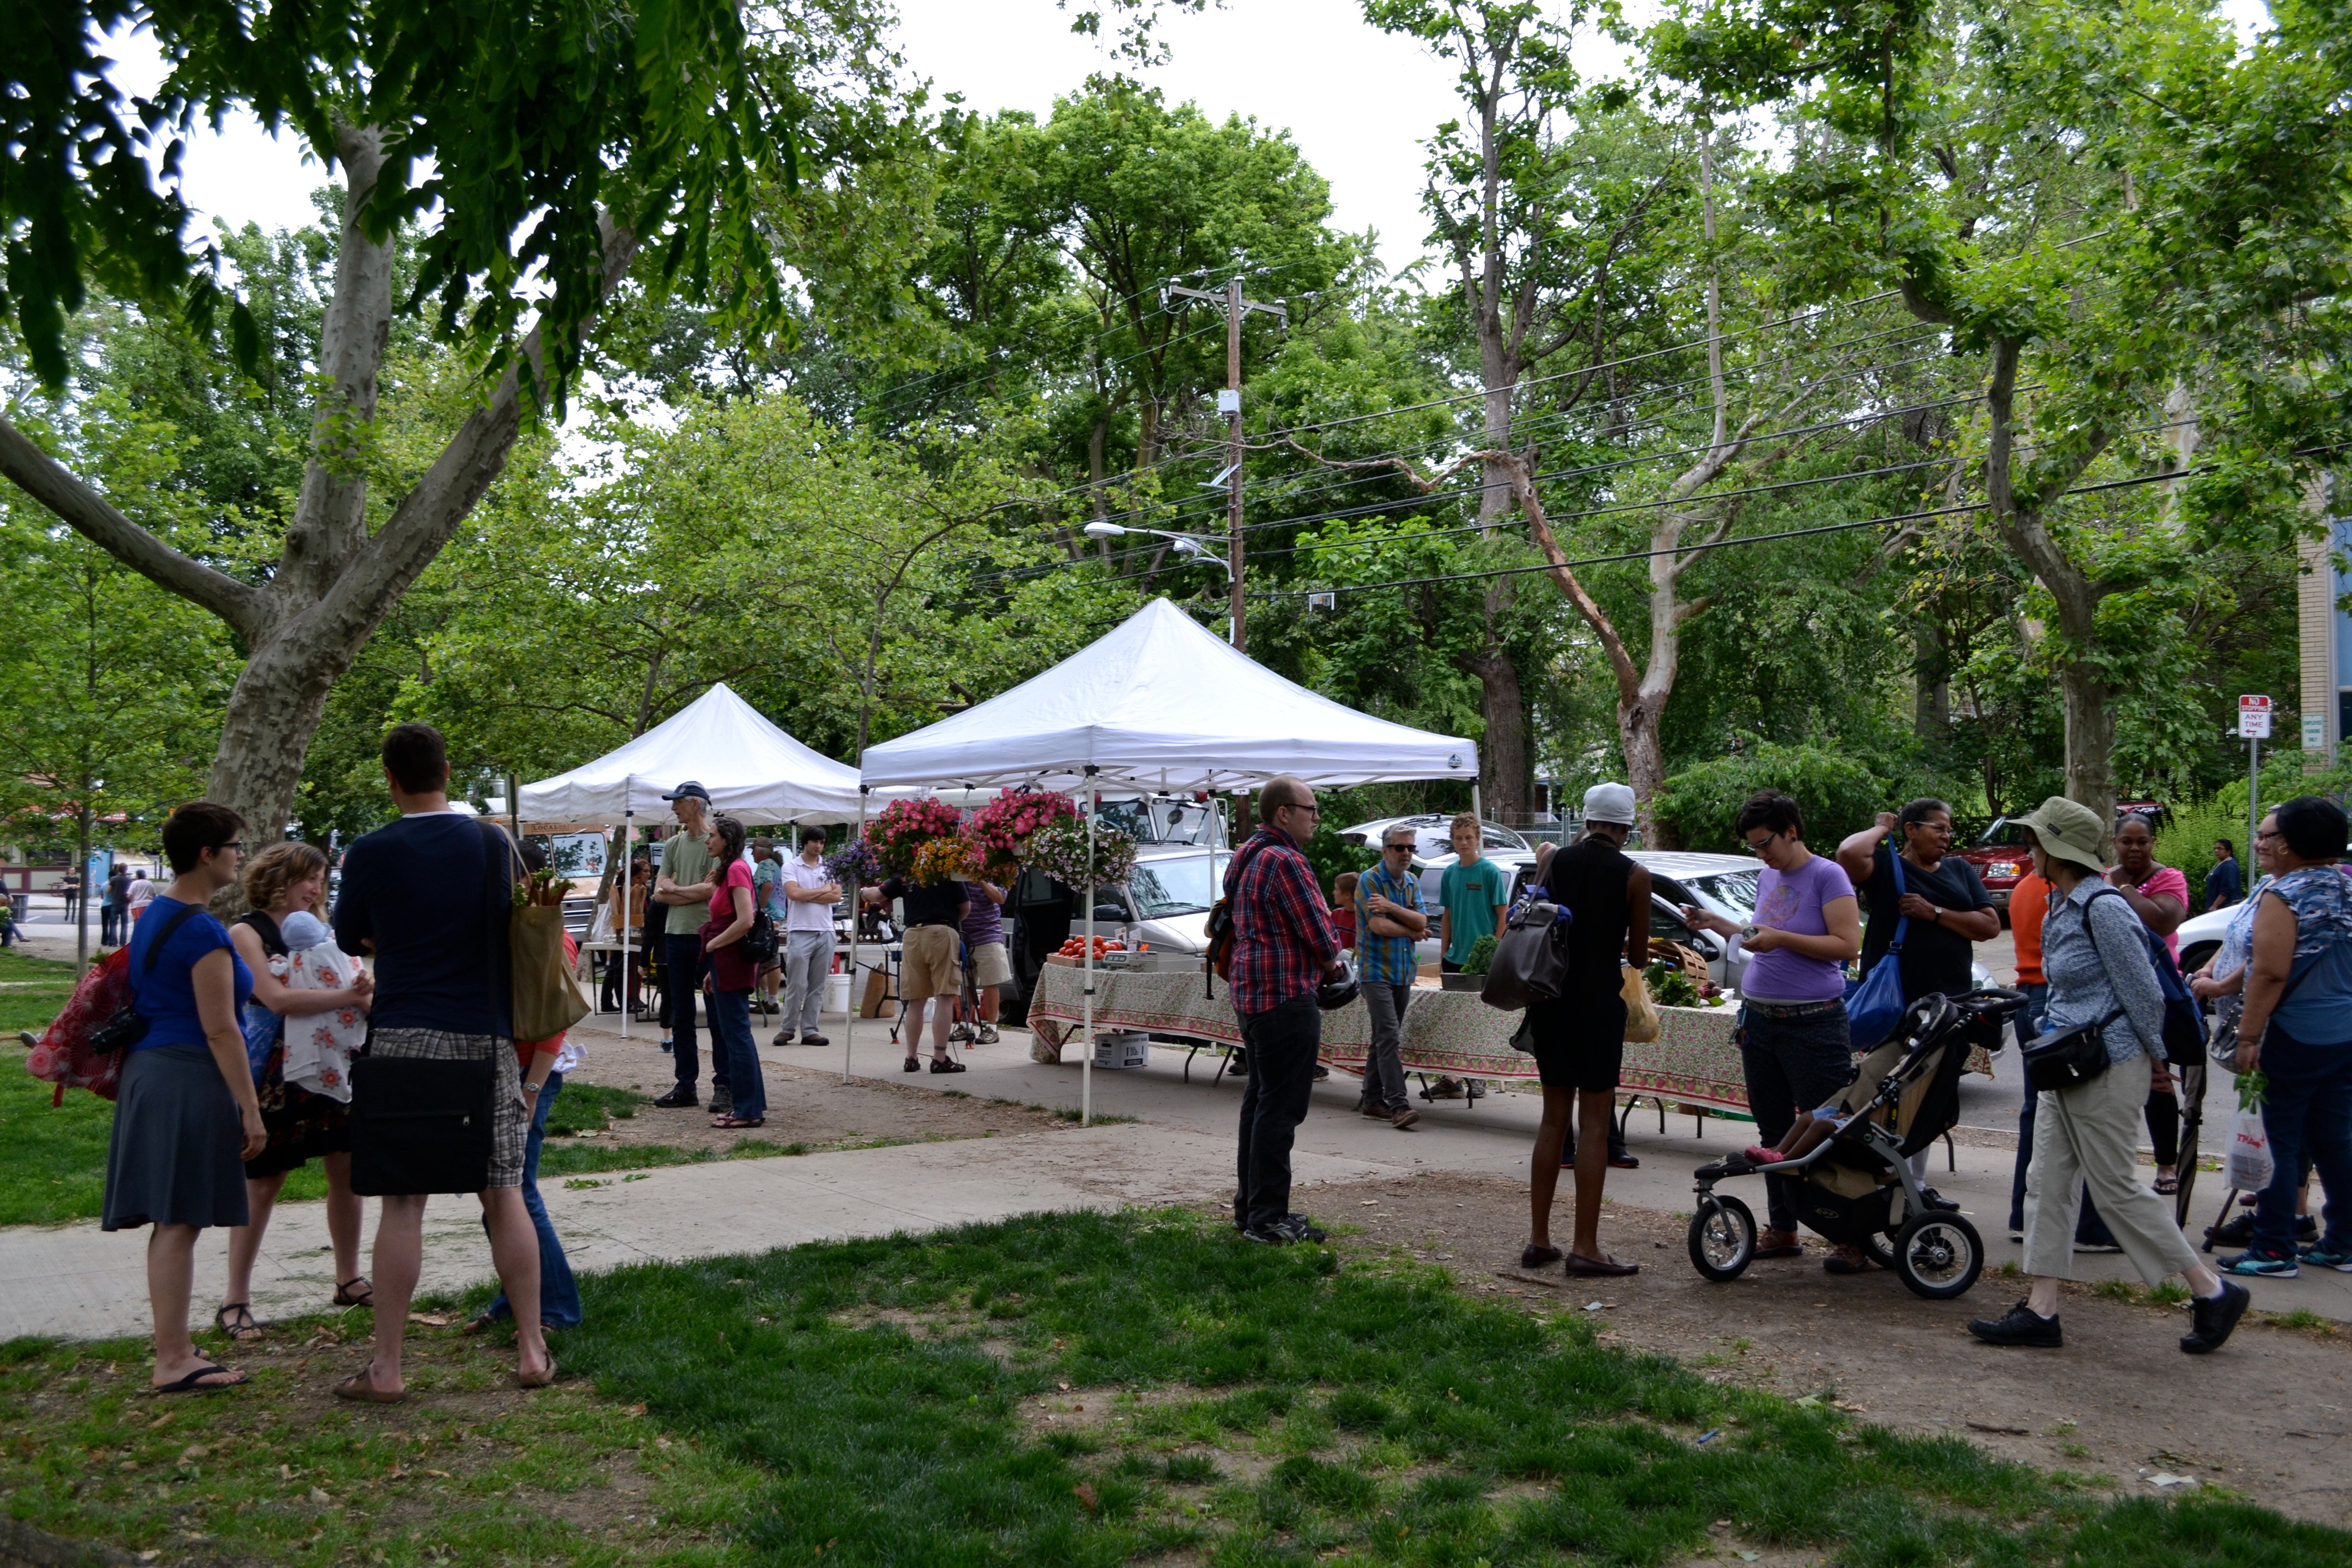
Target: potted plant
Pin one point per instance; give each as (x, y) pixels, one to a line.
(1473, 974)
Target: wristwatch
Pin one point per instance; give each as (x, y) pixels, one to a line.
(531, 1088)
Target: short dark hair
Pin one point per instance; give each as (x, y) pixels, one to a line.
(2312, 827)
(729, 830)
(1920, 810)
(416, 757)
(1770, 808)
(196, 827)
(533, 853)
(813, 830)
(2229, 850)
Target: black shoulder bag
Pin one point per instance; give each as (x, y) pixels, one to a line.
(128, 1027)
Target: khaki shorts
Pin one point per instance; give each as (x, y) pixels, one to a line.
(990, 966)
(931, 967)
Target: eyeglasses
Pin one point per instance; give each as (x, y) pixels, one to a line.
(2266, 833)
(1293, 806)
(1757, 844)
(236, 844)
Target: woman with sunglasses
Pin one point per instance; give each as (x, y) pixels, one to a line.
(187, 1118)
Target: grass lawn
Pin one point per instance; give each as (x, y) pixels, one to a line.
(52, 1162)
(1076, 1389)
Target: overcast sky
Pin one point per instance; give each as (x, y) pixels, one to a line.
(1358, 101)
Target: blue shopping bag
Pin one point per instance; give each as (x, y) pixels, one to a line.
(1873, 1004)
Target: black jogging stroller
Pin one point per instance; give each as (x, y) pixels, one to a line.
(1856, 1187)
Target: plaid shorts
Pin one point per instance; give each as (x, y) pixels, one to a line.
(511, 1121)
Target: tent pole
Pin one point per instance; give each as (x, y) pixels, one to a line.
(856, 910)
(628, 827)
(1086, 1039)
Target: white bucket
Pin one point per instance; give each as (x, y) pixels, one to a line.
(837, 993)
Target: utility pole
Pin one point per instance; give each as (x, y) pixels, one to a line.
(1229, 404)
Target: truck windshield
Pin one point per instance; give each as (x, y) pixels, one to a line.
(1179, 885)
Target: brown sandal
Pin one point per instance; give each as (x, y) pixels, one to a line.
(522, 1379)
(362, 1389)
(366, 1296)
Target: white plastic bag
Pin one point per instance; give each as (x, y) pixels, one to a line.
(2248, 1166)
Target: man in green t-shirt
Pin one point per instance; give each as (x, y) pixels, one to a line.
(1472, 896)
(683, 890)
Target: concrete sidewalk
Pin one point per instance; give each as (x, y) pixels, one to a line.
(78, 1281)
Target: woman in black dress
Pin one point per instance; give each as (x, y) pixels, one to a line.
(302, 1126)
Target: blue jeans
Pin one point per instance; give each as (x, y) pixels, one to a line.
(559, 1293)
(2089, 1228)
(1790, 1065)
(731, 1049)
(2308, 1115)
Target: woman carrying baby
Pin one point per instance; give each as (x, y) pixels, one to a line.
(287, 883)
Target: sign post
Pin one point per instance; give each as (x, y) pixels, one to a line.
(2254, 725)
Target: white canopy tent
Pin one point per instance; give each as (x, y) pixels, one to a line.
(1163, 703)
(1160, 703)
(753, 771)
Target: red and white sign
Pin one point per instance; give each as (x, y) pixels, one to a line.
(2254, 718)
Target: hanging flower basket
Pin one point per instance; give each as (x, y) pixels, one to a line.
(1059, 849)
(904, 827)
(854, 864)
(1000, 830)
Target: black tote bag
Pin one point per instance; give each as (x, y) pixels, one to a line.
(420, 1127)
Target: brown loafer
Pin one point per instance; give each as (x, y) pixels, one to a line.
(1608, 1268)
(1536, 1256)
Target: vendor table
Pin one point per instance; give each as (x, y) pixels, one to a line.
(1692, 1062)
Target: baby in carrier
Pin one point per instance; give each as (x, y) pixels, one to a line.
(319, 1046)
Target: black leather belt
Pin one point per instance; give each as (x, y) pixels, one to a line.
(1796, 1009)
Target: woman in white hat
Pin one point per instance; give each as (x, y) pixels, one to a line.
(2101, 980)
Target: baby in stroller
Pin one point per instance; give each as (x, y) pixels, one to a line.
(1848, 1162)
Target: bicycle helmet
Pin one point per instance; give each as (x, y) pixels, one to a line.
(1337, 990)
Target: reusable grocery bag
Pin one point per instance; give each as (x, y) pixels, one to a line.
(1641, 1014)
(1873, 1004)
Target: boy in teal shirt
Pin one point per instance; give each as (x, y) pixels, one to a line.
(1470, 897)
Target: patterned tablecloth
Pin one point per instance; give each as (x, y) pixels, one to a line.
(1692, 1060)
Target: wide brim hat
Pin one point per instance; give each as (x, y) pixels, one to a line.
(2068, 830)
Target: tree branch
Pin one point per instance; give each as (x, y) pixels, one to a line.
(245, 608)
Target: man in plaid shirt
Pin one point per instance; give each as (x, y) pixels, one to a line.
(1389, 915)
(1284, 947)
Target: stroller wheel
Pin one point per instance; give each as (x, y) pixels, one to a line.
(1939, 1255)
(1722, 1238)
(1879, 1248)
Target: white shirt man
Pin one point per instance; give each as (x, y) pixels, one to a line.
(810, 894)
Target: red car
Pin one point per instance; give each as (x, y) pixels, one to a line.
(2002, 858)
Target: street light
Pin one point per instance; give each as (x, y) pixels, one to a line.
(1186, 545)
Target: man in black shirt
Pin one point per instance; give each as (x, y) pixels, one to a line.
(932, 963)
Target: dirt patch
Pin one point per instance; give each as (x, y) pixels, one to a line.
(2270, 1416)
(806, 1105)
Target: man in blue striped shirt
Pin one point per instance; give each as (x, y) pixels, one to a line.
(1388, 919)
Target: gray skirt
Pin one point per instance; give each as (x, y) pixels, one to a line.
(177, 1153)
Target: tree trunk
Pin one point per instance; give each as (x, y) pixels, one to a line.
(334, 583)
(1502, 771)
(2090, 737)
(1645, 770)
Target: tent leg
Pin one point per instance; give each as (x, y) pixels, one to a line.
(1086, 1040)
(628, 827)
(856, 909)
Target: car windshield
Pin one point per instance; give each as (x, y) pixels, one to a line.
(1731, 893)
(2002, 834)
(1177, 886)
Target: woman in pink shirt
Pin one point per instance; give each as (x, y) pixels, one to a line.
(2159, 895)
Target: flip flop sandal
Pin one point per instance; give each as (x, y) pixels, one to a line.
(731, 1123)
(236, 1319)
(193, 1382)
(2168, 1185)
(357, 1388)
(522, 1379)
(346, 1297)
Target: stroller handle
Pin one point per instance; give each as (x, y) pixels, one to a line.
(1990, 999)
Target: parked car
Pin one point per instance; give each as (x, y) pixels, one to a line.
(1432, 855)
(1164, 904)
(2002, 859)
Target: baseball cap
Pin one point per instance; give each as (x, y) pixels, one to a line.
(1609, 802)
(689, 790)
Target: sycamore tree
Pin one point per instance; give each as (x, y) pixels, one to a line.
(535, 150)
(2133, 226)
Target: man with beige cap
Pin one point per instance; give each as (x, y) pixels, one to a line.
(2102, 979)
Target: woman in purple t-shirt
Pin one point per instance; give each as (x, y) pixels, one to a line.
(1793, 1044)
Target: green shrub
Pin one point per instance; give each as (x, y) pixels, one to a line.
(2186, 841)
(1836, 794)
(1481, 957)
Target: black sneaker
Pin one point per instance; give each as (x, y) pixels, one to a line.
(2213, 1317)
(1308, 1229)
(1937, 1200)
(1285, 1232)
(722, 1101)
(2238, 1231)
(682, 1097)
(2021, 1325)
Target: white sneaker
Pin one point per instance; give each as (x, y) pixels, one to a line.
(987, 1036)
